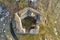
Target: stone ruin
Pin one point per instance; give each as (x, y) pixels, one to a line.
(31, 26)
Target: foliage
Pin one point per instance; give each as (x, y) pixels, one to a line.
(21, 4)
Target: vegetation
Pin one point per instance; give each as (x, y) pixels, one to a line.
(49, 25)
(21, 4)
(50, 22)
(28, 22)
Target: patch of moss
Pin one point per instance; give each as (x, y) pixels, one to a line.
(27, 22)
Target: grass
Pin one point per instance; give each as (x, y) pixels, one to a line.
(46, 29)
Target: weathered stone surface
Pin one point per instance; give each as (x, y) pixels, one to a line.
(30, 12)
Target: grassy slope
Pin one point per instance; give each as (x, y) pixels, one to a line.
(46, 28)
(50, 11)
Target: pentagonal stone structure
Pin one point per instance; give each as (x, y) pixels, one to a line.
(27, 21)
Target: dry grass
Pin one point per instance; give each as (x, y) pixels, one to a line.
(51, 12)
